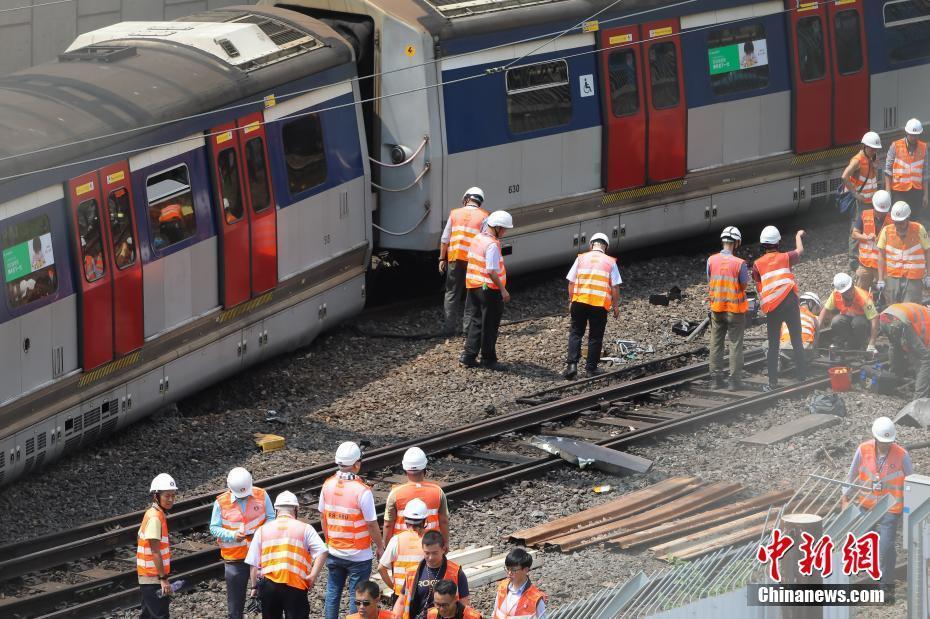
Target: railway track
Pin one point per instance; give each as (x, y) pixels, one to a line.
(621, 407)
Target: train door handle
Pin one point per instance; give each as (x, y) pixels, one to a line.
(803, 192)
(616, 231)
(167, 385)
(795, 194)
(239, 349)
(161, 386)
(584, 238)
(713, 211)
(706, 212)
(129, 401)
(622, 230)
(575, 241)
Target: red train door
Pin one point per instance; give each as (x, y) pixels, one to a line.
(263, 226)
(232, 215)
(850, 71)
(813, 88)
(666, 133)
(623, 107)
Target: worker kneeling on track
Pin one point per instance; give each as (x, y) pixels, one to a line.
(417, 594)
(153, 550)
(851, 315)
(727, 277)
(903, 256)
(368, 598)
(907, 327)
(593, 290)
(446, 604)
(810, 308)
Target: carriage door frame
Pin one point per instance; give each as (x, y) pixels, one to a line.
(812, 94)
(667, 128)
(263, 230)
(851, 92)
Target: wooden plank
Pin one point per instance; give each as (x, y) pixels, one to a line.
(463, 556)
(492, 456)
(737, 537)
(707, 535)
(695, 402)
(714, 393)
(621, 422)
(493, 569)
(796, 427)
(579, 433)
(96, 573)
(50, 586)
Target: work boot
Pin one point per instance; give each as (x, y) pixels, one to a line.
(736, 384)
(595, 371)
(720, 381)
(468, 361)
(570, 371)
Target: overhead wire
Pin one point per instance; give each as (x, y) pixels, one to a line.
(35, 6)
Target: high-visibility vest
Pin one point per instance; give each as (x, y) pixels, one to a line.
(234, 520)
(777, 279)
(808, 329)
(866, 182)
(525, 607)
(905, 257)
(477, 274)
(345, 526)
(868, 250)
(285, 558)
(861, 298)
(382, 614)
(913, 314)
(428, 492)
(592, 279)
(888, 480)
(907, 172)
(93, 266)
(466, 224)
(409, 555)
(467, 613)
(410, 583)
(145, 565)
(725, 292)
(169, 212)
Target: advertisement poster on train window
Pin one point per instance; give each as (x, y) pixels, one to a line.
(25, 258)
(744, 55)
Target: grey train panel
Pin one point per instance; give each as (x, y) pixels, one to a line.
(775, 123)
(605, 225)
(913, 94)
(818, 186)
(499, 167)
(644, 227)
(153, 286)
(537, 180)
(10, 377)
(253, 348)
(36, 334)
(581, 161)
(143, 395)
(705, 136)
(177, 293)
(205, 279)
(199, 368)
(883, 105)
(64, 336)
(542, 249)
(748, 204)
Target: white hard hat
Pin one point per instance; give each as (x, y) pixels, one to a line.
(600, 237)
(872, 140)
(883, 430)
(415, 510)
(900, 211)
(286, 499)
(500, 218)
(914, 127)
(842, 282)
(348, 454)
(881, 201)
(475, 193)
(239, 481)
(812, 297)
(731, 233)
(162, 483)
(770, 235)
(414, 459)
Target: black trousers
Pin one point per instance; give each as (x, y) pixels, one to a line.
(851, 332)
(582, 316)
(484, 307)
(153, 607)
(454, 297)
(789, 313)
(278, 600)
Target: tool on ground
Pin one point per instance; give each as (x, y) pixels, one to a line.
(698, 330)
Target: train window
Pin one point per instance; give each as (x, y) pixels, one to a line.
(304, 153)
(848, 43)
(227, 165)
(624, 89)
(538, 96)
(29, 270)
(170, 206)
(907, 29)
(663, 69)
(90, 232)
(810, 49)
(124, 245)
(738, 59)
(257, 174)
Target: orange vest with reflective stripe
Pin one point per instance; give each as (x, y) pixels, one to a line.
(285, 557)
(888, 480)
(915, 315)
(904, 257)
(477, 274)
(907, 171)
(467, 613)
(410, 584)
(592, 279)
(525, 607)
(777, 279)
(868, 250)
(428, 492)
(345, 526)
(409, 555)
(866, 181)
(145, 566)
(861, 298)
(382, 614)
(234, 520)
(466, 225)
(725, 292)
(169, 212)
(808, 328)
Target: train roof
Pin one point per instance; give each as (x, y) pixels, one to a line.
(137, 74)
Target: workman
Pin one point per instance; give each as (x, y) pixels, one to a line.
(368, 598)
(350, 524)
(851, 315)
(417, 593)
(237, 514)
(906, 167)
(414, 463)
(153, 550)
(486, 292)
(860, 179)
(727, 277)
(446, 604)
(288, 555)
(517, 596)
(903, 256)
(463, 225)
(907, 327)
(779, 296)
(810, 309)
(865, 233)
(878, 469)
(593, 291)
(404, 550)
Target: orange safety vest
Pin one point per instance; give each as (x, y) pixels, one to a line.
(382, 614)
(93, 267)
(169, 212)
(904, 257)
(409, 555)
(526, 606)
(467, 613)
(234, 520)
(592, 279)
(868, 250)
(808, 329)
(915, 315)
(861, 298)
(725, 292)
(889, 479)
(777, 279)
(427, 491)
(477, 274)
(410, 583)
(344, 524)
(145, 566)
(466, 225)
(866, 182)
(907, 171)
(285, 558)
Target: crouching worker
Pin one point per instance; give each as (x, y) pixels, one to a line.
(851, 315)
(810, 308)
